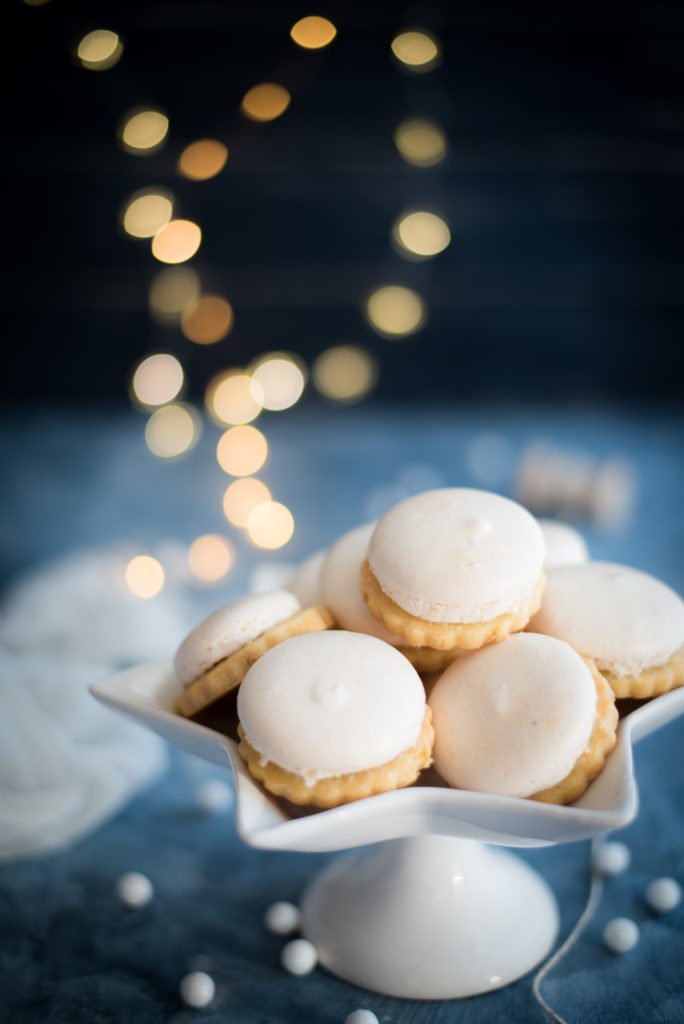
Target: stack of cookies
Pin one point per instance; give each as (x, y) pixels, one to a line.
(333, 673)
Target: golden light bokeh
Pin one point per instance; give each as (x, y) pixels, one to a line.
(173, 289)
(203, 159)
(345, 373)
(157, 379)
(281, 379)
(241, 497)
(99, 50)
(242, 451)
(208, 319)
(146, 213)
(313, 32)
(421, 143)
(421, 234)
(144, 130)
(144, 576)
(395, 311)
(211, 557)
(265, 102)
(417, 50)
(233, 398)
(177, 242)
(172, 430)
(270, 525)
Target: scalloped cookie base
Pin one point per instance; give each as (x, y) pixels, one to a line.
(652, 682)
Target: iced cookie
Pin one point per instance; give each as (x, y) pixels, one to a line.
(328, 718)
(305, 581)
(454, 568)
(563, 543)
(213, 659)
(629, 623)
(527, 718)
(340, 581)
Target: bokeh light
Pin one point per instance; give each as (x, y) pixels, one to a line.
(208, 319)
(232, 397)
(242, 451)
(270, 525)
(147, 212)
(172, 430)
(265, 102)
(241, 497)
(99, 50)
(281, 379)
(395, 311)
(36, 3)
(157, 379)
(421, 143)
(313, 32)
(144, 576)
(202, 159)
(171, 290)
(417, 50)
(177, 242)
(144, 130)
(211, 557)
(421, 234)
(345, 373)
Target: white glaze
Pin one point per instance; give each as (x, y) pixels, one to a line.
(512, 718)
(305, 581)
(326, 704)
(564, 544)
(230, 628)
(624, 619)
(341, 585)
(457, 555)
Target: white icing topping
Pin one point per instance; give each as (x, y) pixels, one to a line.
(341, 585)
(457, 555)
(305, 582)
(624, 619)
(512, 718)
(325, 704)
(230, 628)
(564, 544)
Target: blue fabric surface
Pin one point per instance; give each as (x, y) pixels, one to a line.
(70, 951)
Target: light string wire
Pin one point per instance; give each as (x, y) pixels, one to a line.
(592, 902)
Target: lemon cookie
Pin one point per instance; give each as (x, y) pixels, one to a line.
(564, 545)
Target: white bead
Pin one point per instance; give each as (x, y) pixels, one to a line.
(197, 989)
(282, 918)
(214, 796)
(134, 889)
(663, 895)
(611, 858)
(621, 934)
(362, 1017)
(299, 956)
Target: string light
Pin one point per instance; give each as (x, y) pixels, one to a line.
(345, 373)
(421, 143)
(146, 213)
(395, 311)
(177, 242)
(144, 131)
(99, 50)
(202, 159)
(144, 576)
(281, 380)
(233, 398)
(241, 497)
(157, 379)
(211, 557)
(313, 32)
(208, 319)
(265, 102)
(417, 50)
(242, 451)
(270, 525)
(172, 430)
(171, 290)
(421, 234)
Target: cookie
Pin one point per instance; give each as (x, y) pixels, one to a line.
(564, 545)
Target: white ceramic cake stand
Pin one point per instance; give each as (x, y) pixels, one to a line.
(428, 911)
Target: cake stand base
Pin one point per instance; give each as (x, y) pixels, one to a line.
(429, 917)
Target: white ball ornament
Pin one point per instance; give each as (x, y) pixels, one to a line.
(299, 956)
(621, 934)
(197, 989)
(663, 895)
(214, 796)
(282, 918)
(361, 1017)
(611, 858)
(134, 889)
